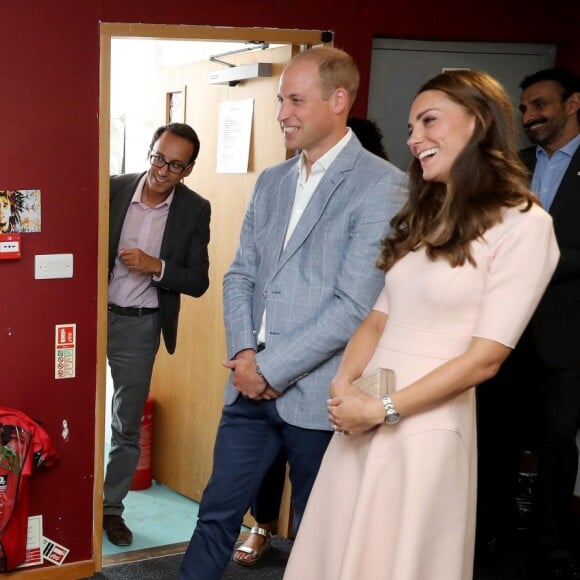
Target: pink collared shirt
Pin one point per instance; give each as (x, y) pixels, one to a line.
(143, 228)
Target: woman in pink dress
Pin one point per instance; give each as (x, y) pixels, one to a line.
(466, 264)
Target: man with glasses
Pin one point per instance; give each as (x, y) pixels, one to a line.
(158, 238)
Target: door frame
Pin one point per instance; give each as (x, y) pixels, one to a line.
(108, 31)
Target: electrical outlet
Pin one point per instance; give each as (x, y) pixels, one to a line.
(53, 266)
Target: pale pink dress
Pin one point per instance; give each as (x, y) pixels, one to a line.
(398, 503)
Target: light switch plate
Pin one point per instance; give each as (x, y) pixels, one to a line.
(53, 266)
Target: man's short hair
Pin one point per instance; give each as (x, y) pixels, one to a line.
(180, 130)
(336, 68)
(568, 80)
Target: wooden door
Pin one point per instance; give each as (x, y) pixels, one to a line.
(188, 386)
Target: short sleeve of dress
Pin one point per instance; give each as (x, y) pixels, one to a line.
(382, 303)
(523, 254)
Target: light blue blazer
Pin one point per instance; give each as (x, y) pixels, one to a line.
(318, 289)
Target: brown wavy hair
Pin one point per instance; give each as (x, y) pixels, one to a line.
(486, 177)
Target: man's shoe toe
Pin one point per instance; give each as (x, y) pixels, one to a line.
(117, 532)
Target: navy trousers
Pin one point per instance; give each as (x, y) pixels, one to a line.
(251, 434)
(266, 506)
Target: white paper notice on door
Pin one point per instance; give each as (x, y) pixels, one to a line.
(234, 132)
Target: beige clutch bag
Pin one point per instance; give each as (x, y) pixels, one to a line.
(377, 383)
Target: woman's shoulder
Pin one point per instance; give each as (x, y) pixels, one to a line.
(519, 216)
(519, 222)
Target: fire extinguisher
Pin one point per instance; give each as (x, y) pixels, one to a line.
(144, 472)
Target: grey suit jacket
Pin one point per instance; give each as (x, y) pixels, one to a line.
(318, 289)
(184, 247)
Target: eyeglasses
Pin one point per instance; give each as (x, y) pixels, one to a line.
(174, 166)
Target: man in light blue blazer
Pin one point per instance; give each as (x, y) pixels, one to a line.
(302, 280)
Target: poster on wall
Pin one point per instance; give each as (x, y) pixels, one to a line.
(19, 210)
(234, 131)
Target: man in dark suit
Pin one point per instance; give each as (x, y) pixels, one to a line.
(158, 238)
(550, 104)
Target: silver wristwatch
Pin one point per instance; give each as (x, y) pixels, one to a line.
(391, 414)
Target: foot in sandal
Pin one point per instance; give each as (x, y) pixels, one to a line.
(255, 547)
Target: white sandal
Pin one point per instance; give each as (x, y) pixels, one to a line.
(256, 555)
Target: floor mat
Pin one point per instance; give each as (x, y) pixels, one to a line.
(166, 567)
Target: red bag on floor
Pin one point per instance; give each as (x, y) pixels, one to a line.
(24, 444)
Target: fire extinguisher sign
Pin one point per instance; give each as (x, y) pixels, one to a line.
(65, 345)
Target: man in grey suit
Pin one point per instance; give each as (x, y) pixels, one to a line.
(158, 237)
(303, 278)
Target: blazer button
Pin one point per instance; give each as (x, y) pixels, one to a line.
(265, 294)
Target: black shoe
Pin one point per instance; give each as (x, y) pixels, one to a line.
(116, 530)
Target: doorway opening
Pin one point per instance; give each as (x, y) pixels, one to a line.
(150, 75)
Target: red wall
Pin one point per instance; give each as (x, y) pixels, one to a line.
(48, 139)
(49, 66)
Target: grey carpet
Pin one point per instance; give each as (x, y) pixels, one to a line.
(271, 567)
(509, 563)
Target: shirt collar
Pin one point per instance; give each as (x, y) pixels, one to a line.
(326, 160)
(569, 149)
(139, 190)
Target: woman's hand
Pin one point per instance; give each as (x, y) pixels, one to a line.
(355, 412)
(341, 386)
